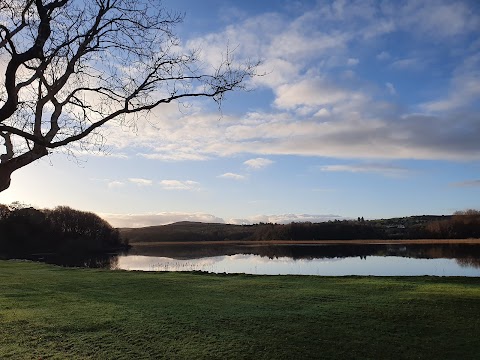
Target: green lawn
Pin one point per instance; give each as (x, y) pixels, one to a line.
(51, 312)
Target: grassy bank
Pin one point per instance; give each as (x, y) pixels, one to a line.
(55, 313)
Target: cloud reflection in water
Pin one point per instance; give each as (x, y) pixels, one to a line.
(263, 265)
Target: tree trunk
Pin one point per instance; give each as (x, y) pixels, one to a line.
(8, 167)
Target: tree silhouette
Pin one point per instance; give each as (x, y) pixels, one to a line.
(26, 230)
(71, 66)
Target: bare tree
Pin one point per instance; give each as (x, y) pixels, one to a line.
(71, 66)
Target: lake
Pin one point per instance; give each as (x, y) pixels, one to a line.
(323, 260)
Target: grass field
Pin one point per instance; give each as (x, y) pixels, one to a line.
(49, 312)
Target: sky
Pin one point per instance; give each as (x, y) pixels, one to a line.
(365, 109)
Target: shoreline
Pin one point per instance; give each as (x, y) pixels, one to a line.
(311, 242)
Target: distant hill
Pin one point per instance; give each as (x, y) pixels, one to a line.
(412, 227)
(189, 231)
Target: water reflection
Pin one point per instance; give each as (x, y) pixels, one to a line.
(328, 260)
(255, 264)
(94, 261)
(335, 260)
(425, 251)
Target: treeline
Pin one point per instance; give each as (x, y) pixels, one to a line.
(197, 232)
(461, 225)
(465, 224)
(193, 232)
(332, 230)
(26, 230)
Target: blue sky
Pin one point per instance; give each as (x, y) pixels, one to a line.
(367, 108)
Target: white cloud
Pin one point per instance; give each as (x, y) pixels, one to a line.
(322, 112)
(352, 62)
(299, 46)
(161, 218)
(233, 176)
(179, 185)
(115, 184)
(438, 19)
(384, 169)
(141, 182)
(390, 88)
(378, 28)
(310, 91)
(435, 19)
(384, 55)
(258, 163)
(284, 219)
(354, 128)
(407, 64)
(164, 218)
(277, 72)
(464, 88)
(315, 113)
(174, 156)
(349, 11)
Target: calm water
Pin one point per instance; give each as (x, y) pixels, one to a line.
(255, 264)
(326, 260)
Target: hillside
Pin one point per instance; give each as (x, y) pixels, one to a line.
(413, 227)
(189, 231)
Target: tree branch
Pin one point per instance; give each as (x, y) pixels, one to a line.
(23, 24)
(82, 64)
(8, 146)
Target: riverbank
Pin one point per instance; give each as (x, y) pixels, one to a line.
(311, 242)
(53, 312)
